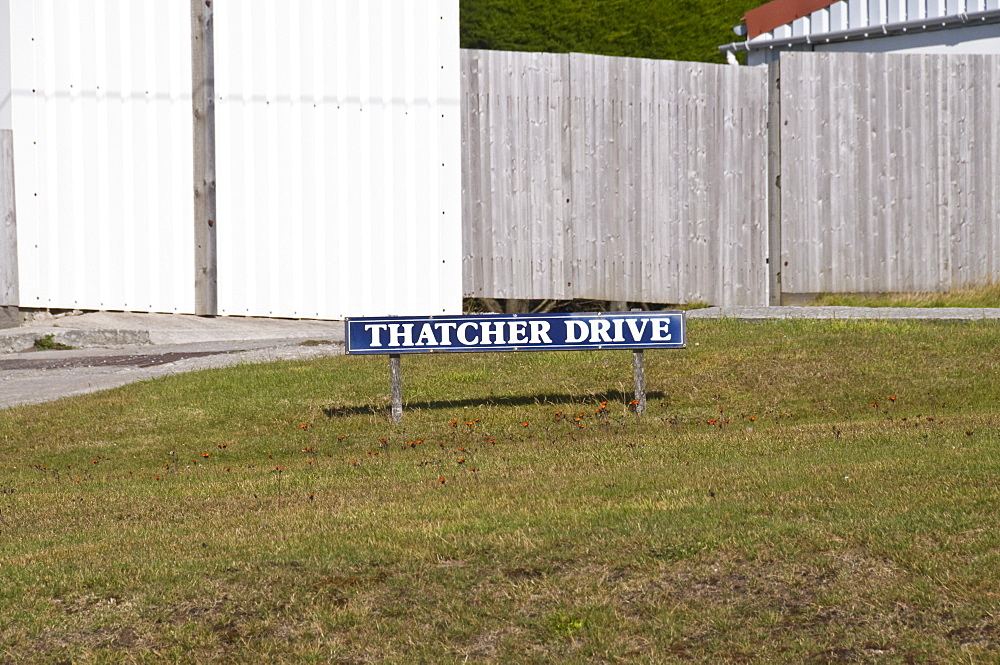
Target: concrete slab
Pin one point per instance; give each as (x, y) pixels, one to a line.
(184, 328)
(42, 376)
(116, 348)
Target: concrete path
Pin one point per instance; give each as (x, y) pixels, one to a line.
(115, 348)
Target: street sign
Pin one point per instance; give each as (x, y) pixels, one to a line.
(516, 332)
(396, 335)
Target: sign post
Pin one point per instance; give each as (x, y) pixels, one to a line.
(639, 377)
(603, 331)
(396, 388)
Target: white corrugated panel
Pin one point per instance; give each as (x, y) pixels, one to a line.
(855, 14)
(101, 113)
(338, 134)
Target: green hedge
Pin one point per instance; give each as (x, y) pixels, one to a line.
(667, 29)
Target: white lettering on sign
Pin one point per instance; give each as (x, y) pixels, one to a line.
(376, 330)
(576, 331)
(599, 331)
(518, 332)
(397, 338)
(608, 331)
(660, 333)
(446, 329)
(540, 332)
(618, 329)
(462, 339)
(637, 330)
(496, 335)
(426, 337)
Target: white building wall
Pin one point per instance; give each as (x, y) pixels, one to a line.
(338, 157)
(822, 30)
(100, 107)
(972, 40)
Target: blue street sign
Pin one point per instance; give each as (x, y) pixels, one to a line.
(516, 332)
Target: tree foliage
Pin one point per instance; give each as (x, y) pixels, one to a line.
(665, 29)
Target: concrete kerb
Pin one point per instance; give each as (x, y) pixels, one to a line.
(17, 341)
(121, 329)
(848, 313)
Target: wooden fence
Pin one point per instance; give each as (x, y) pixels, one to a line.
(637, 180)
(613, 178)
(890, 172)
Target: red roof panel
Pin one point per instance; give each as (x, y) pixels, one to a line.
(779, 12)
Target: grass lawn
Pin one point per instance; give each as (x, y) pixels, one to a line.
(977, 295)
(798, 492)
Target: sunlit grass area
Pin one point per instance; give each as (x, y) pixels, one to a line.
(982, 295)
(799, 491)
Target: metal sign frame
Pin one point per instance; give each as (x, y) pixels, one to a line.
(635, 331)
(515, 332)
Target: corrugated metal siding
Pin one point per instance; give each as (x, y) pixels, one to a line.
(890, 172)
(101, 113)
(338, 157)
(852, 14)
(614, 179)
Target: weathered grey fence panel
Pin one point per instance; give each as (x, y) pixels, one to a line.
(613, 179)
(515, 167)
(623, 179)
(8, 223)
(890, 171)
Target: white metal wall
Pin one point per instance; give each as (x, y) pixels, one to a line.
(851, 14)
(338, 134)
(101, 113)
(897, 26)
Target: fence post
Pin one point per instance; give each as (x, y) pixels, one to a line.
(9, 294)
(774, 181)
(206, 294)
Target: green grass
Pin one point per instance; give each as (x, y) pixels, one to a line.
(799, 492)
(981, 295)
(49, 343)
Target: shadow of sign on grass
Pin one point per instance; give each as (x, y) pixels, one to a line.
(555, 399)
